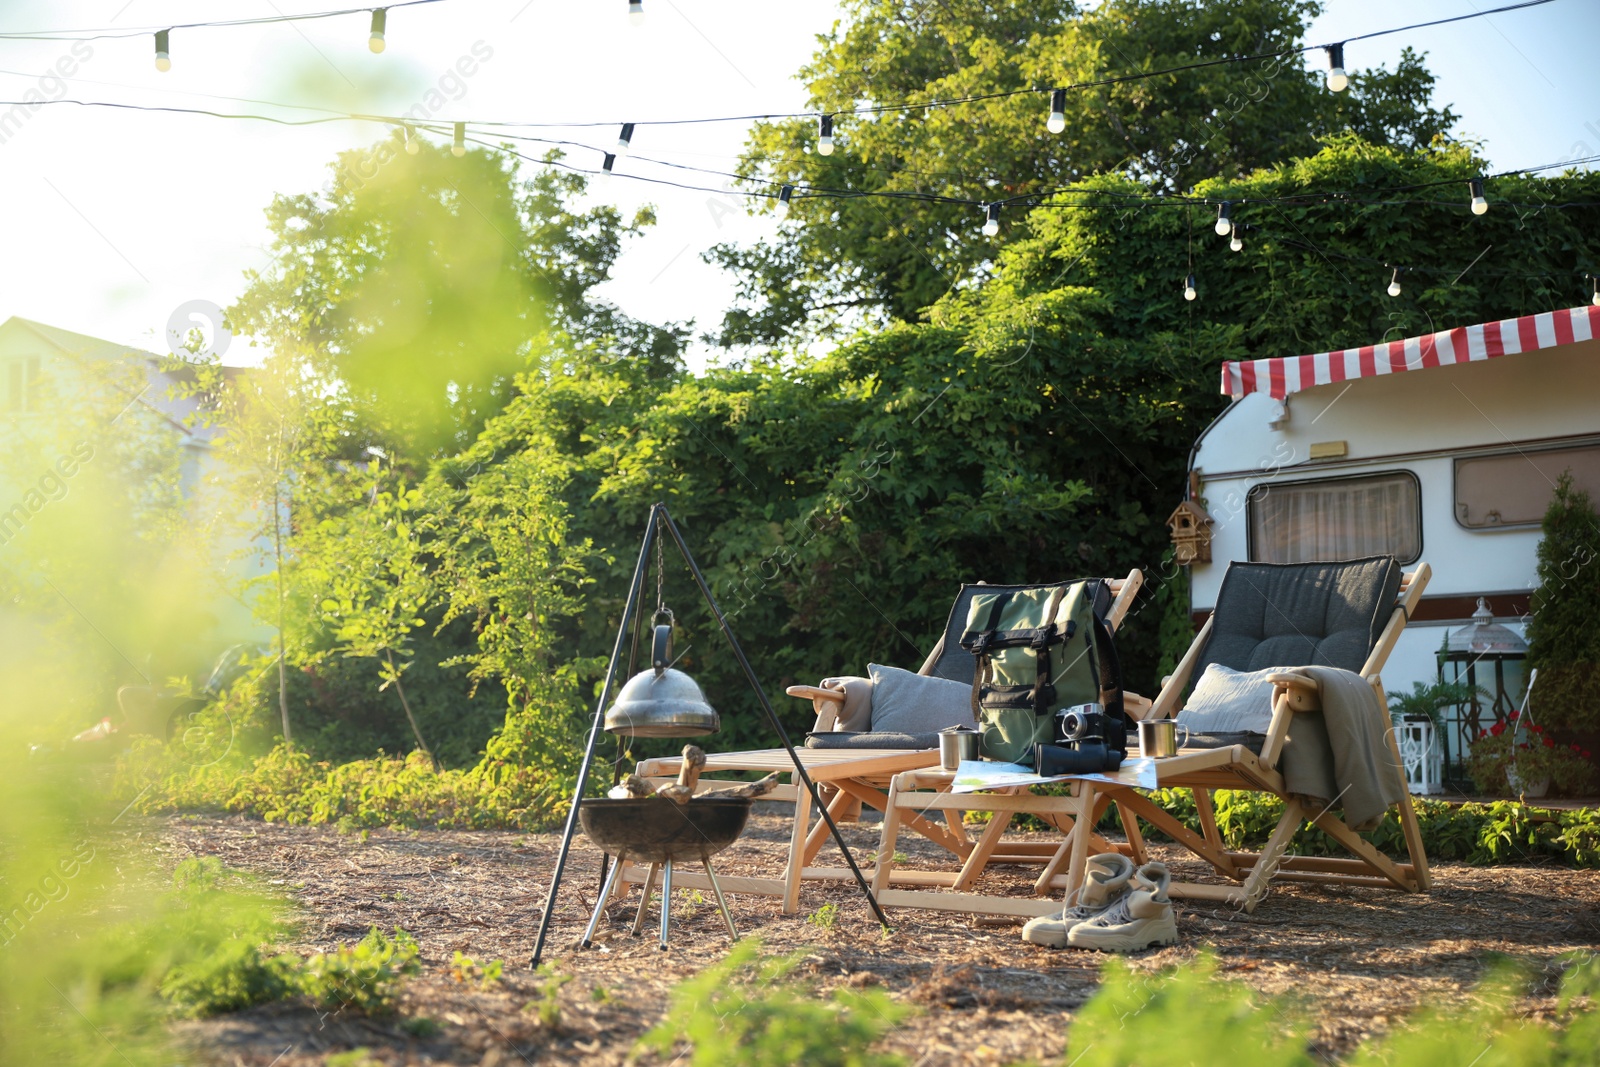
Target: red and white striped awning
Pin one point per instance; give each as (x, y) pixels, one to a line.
(1465, 344)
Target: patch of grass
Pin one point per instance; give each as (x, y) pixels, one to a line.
(366, 976)
(548, 1005)
(747, 1010)
(824, 917)
(469, 971)
(422, 1026)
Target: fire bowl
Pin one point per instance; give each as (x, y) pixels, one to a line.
(655, 829)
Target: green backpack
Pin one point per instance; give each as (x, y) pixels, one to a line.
(1041, 648)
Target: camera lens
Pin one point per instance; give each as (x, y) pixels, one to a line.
(1073, 726)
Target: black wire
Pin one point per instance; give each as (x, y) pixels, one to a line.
(110, 33)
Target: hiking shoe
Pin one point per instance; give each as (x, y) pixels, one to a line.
(1141, 918)
(1105, 883)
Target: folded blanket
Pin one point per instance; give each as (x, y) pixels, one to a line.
(1340, 756)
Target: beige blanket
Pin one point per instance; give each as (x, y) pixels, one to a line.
(1340, 757)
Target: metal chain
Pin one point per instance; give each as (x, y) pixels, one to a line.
(661, 570)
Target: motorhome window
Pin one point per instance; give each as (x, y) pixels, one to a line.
(1337, 518)
(1514, 489)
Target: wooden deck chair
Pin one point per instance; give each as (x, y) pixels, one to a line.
(1347, 615)
(859, 769)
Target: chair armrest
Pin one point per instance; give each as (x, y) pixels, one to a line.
(826, 702)
(1290, 693)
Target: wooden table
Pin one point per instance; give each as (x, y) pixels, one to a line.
(857, 774)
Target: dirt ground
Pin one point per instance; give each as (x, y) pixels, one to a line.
(1359, 958)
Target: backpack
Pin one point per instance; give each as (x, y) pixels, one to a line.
(1041, 648)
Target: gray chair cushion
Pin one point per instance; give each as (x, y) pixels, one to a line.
(871, 739)
(908, 703)
(1301, 614)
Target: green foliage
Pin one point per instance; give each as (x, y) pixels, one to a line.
(1427, 700)
(747, 1009)
(548, 1006)
(1563, 641)
(1531, 754)
(824, 917)
(469, 971)
(366, 976)
(1168, 134)
(235, 975)
(1194, 1015)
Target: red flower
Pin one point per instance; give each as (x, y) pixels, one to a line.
(1536, 728)
(1585, 753)
(1514, 716)
(1497, 729)
(1482, 734)
(1549, 743)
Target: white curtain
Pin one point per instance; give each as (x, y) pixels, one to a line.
(1336, 519)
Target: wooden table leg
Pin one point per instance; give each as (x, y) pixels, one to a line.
(1083, 827)
(797, 847)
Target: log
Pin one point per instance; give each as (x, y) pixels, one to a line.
(694, 761)
(678, 794)
(748, 789)
(631, 787)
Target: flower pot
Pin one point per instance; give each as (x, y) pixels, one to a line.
(1536, 788)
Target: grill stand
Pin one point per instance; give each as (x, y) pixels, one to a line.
(665, 870)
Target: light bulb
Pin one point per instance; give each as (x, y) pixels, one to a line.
(1224, 223)
(991, 224)
(636, 12)
(413, 146)
(1237, 243)
(379, 18)
(1595, 300)
(625, 139)
(1394, 283)
(825, 135)
(607, 163)
(1338, 80)
(1058, 111)
(1189, 292)
(163, 54)
(458, 146)
(1479, 204)
(784, 196)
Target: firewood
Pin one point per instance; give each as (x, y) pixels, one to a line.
(748, 789)
(678, 794)
(694, 761)
(631, 787)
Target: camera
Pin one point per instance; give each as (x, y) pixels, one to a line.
(1082, 747)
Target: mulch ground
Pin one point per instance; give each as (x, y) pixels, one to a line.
(1357, 959)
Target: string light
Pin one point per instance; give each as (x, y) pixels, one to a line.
(1237, 243)
(379, 18)
(413, 145)
(1595, 300)
(607, 163)
(825, 135)
(1479, 204)
(1189, 291)
(625, 139)
(1394, 283)
(458, 146)
(1058, 111)
(991, 224)
(1338, 80)
(163, 54)
(1224, 223)
(636, 12)
(784, 195)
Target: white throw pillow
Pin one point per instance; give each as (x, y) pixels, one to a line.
(1226, 701)
(903, 702)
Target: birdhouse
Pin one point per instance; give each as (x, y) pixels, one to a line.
(1191, 533)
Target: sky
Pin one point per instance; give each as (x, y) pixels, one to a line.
(116, 219)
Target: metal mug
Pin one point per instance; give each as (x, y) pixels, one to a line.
(957, 743)
(1158, 738)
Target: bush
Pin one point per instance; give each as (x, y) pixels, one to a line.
(1563, 642)
(366, 976)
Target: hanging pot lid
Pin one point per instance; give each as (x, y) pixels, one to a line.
(661, 702)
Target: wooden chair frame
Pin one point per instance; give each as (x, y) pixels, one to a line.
(859, 777)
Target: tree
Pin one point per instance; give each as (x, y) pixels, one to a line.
(1563, 642)
(845, 261)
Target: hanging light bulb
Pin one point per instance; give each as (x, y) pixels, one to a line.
(1224, 223)
(163, 54)
(607, 163)
(636, 12)
(413, 146)
(625, 139)
(1479, 204)
(825, 135)
(379, 18)
(784, 196)
(1338, 80)
(1394, 283)
(1237, 243)
(458, 146)
(1058, 111)
(1189, 291)
(991, 224)
(1595, 300)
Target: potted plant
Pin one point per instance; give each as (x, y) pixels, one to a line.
(1510, 758)
(1427, 701)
